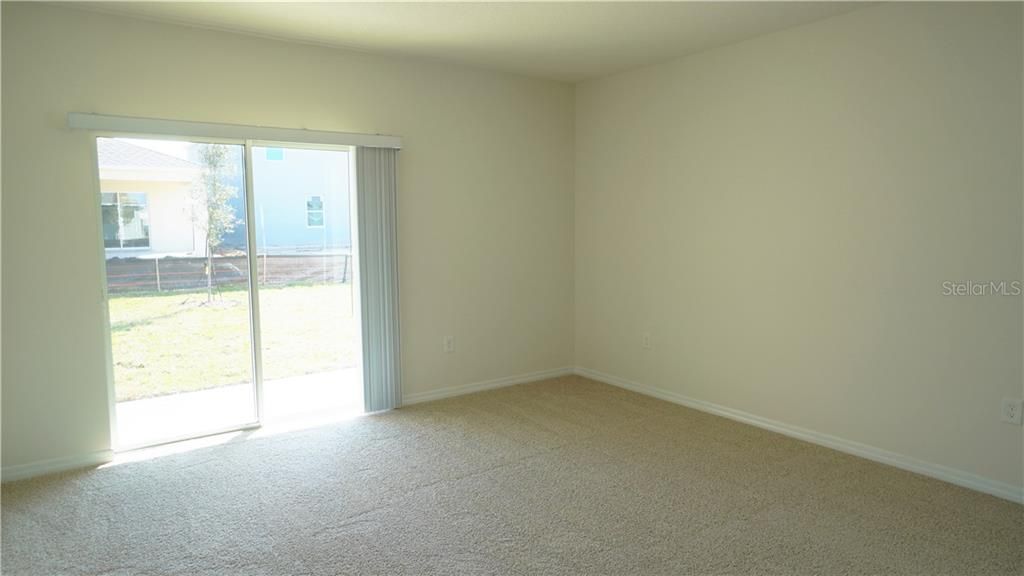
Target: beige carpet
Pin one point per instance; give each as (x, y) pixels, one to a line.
(565, 476)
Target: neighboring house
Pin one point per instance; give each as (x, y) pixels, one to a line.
(147, 202)
(302, 202)
(150, 208)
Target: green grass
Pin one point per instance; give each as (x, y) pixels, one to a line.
(170, 343)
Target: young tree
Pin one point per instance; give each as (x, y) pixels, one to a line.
(216, 217)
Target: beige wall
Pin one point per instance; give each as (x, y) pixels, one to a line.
(780, 215)
(485, 197)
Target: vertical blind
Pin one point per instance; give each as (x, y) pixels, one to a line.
(377, 189)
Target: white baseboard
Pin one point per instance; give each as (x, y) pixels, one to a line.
(461, 389)
(951, 475)
(38, 468)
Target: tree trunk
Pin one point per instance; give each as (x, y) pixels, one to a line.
(209, 273)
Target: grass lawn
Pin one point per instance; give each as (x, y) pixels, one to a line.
(169, 343)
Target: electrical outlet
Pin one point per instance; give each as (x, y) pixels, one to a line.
(1011, 411)
(449, 344)
(645, 340)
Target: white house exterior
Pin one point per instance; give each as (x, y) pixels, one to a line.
(148, 203)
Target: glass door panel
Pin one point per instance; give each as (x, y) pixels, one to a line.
(309, 328)
(176, 250)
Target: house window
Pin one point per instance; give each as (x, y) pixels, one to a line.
(125, 220)
(314, 212)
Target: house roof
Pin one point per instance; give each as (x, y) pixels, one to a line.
(114, 153)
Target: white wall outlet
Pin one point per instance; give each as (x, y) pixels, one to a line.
(645, 340)
(1011, 410)
(449, 344)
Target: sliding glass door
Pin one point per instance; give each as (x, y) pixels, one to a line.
(175, 242)
(231, 285)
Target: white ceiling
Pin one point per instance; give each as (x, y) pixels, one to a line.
(568, 41)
